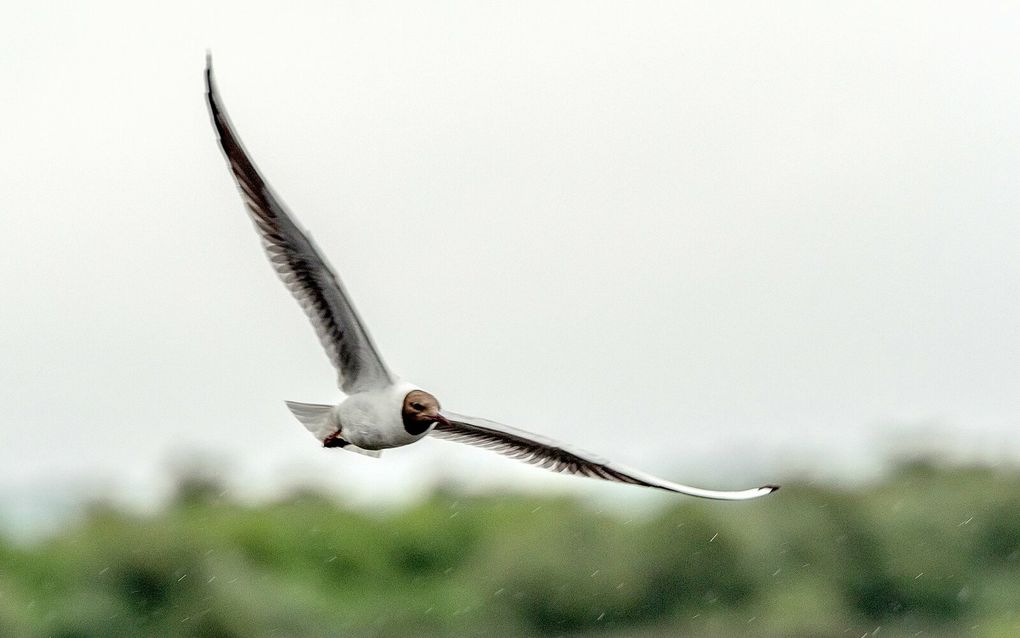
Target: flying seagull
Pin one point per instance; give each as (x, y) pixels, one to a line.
(381, 410)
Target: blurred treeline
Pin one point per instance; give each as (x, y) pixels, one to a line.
(931, 549)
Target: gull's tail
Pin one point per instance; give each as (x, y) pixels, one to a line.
(318, 419)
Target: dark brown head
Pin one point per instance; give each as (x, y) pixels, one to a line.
(420, 411)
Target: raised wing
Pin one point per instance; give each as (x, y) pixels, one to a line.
(555, 456)
(301, 266)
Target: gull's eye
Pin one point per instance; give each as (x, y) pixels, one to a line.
(418, 406)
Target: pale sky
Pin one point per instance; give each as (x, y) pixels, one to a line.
(722, 242)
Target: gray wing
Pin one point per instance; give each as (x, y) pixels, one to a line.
(301, 266)
(555, 456)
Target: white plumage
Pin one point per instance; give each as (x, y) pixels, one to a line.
(381, 411)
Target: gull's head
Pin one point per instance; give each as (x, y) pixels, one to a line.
(420, 412)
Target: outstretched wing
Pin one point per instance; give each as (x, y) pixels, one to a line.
(555, 456)
(300, 265)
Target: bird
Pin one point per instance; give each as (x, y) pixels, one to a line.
(381, 410)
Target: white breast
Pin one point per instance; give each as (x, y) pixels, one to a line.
(372, 420)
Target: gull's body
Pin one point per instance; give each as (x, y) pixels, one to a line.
(370, 420)
(381, 410)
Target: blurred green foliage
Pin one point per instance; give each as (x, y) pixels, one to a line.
(931, 549)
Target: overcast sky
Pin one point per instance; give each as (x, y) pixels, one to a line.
(718, 241)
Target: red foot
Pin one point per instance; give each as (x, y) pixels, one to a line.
(334, 440)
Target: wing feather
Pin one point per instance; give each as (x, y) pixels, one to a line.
(552, 455)
(301, 266)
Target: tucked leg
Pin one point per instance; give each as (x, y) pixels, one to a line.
(334, 440)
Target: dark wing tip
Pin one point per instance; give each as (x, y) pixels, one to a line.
(243, 168)
(770, 488)
(210, 84)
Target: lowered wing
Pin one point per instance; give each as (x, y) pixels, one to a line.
(552, 455)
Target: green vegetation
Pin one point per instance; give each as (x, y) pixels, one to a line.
(932, 549)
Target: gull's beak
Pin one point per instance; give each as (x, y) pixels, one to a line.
(439, 418)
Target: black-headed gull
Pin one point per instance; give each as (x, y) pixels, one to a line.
(381, 410)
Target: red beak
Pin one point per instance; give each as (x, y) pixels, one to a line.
(439, 418)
